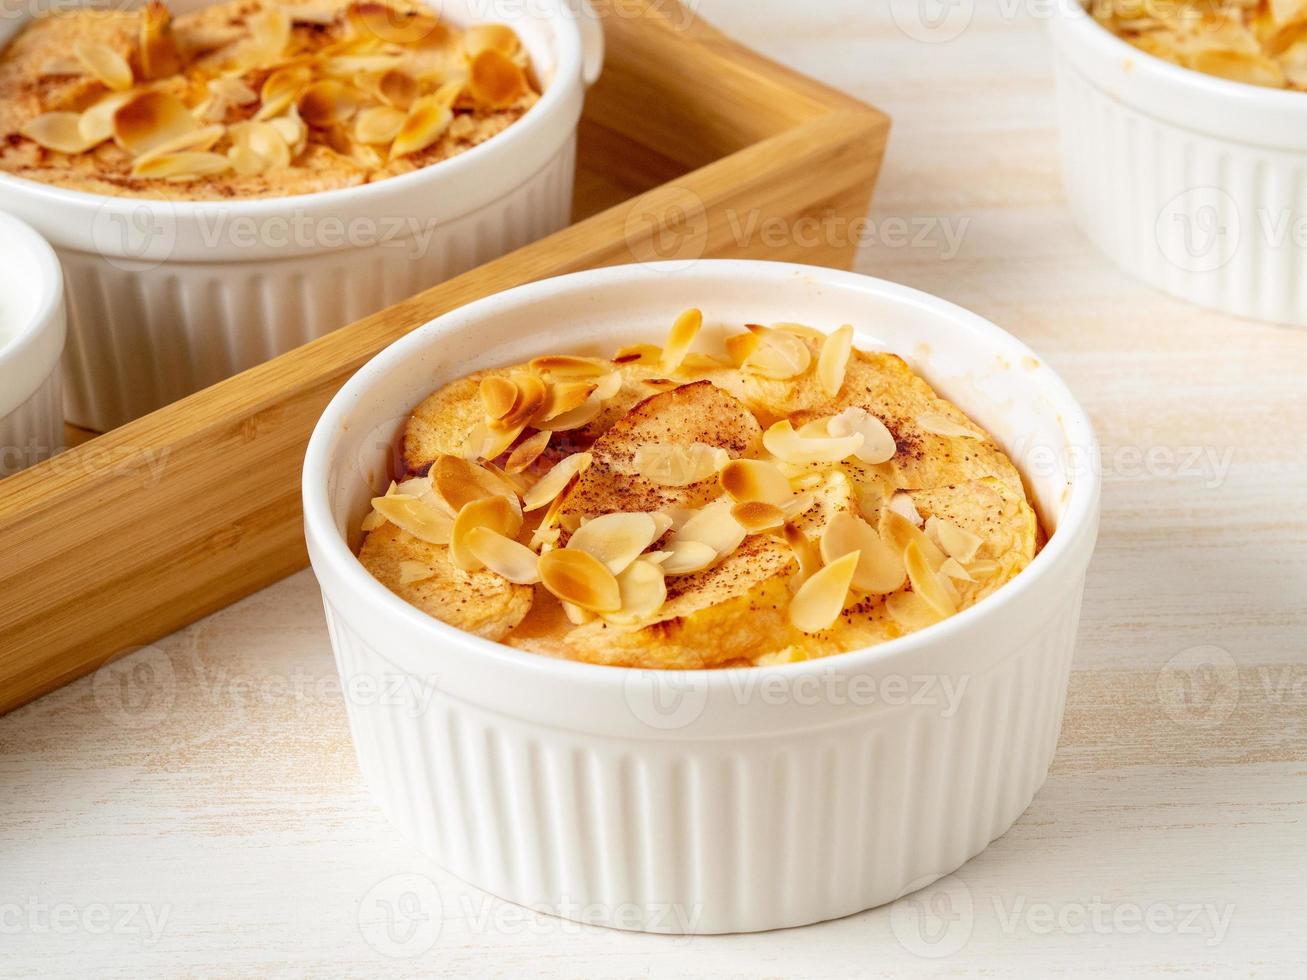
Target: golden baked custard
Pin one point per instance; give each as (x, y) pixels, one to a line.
(1261, 42)
(251, 98)
(790, 498)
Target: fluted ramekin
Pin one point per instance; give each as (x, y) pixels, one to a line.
(166, 298)
(707, 801)
(32, 330)
(1194, 184)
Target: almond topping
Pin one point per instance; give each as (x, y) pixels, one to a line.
(384, 23)
(756, 516)
(570, 366)
(679, 339)
(740, 347)
(414, 571)
(327, 102)
(902, 505)
(281, 88)
(615, 539)
(58, 131)
(714, 526)
(983, 568)
(787, 445)
(953, 540)
(583, 414)
(684, 557)
(677, 465)
(159, 57)
(531, 395)
(197, 139)
(925, 582)
(489, 442)
(397, 87)
(643, 588)
(378, 125)
(416, 517)
(555, 481)
(880, 569)
(953, 569)
(151, 119)
(60, 66)
(501, 37)
(527, 452)
(805, 553)
(233, 90)
(779, 355)
(834, 359)
(182, 166)
(458, 482)
(565, 396)
(878, 444)
(495, 513)
(942, 425)
(898, 532)
(580, 579)
(754, 479)
(105, 64)
(505, 557)
(608, 386)
(427, 119)
(911, 611)
(820, 599)
(498, 394)
(495, 80)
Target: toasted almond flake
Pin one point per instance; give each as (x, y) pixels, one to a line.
(678, 465)
(58, 131)
(953, 540)
(415, 571)
(834, 359)
(489, 442)
(740, 346)
(608, 386)
(427, 119)
(583, 414)
(292, 131)
(643, 588)
(555, 481)
(801, 330)
(527, 452)
(787, 445)
(820, 599)
(880, 569)
(372, 521)
(662, 523)
(269, 35)
(245, 161)
(495, 513)
(754, 479)
(233, 90)
(501, 37)
(495, 80)
(456, 482)
(679, 339)
(570, 366)
(878, 444)
(898, 532)
(756, 516)
(378, 125)
(281, 88)
(397, 87)
(684, 557)
(779, 355)
(181, 166)
(416, 517)
(942, 425)
(498, 395)
(370, 66)
(150, 119)
(983, 568)
(579, 578)
(304, 14)
(565, 396)
(105, 64)
(615, 539)
(384, 23)
(902, 505)
(953, 569)
(197, 139)
(505, 557)
(816, 429)
(798, 504)
(911, 611)
(158, 47)
(531, 395)
(714, 526)
(649, 354)
(327, 102)
(805, 554)
(60, 66)
(925, 582)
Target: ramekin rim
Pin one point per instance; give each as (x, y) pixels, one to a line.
(326, 544)
(570, 63)
(51, 292)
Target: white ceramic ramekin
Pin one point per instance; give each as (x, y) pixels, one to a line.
(1195, 184)
(32, 329)
(707, 801)
(166, 298)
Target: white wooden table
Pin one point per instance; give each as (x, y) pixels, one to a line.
(201, 813)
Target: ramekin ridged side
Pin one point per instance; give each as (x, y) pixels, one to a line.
(707, 801)
(168, 297)
(1194, 184)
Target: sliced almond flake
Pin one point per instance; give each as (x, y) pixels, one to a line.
(925, 581)
(901, 503)
(565, 396)
(269, 34)
(942, 425)
(898, 532)
(583, 414)
(527, 452)
(834, 359)
(983, 568)
(820, 599)
(105, 64)
(187, 165)
(643, 589)
(495, 513)
(427, 120)
(880, 569)
(397, 87)
(754, 479)
(489, 442)
(245, 161)
(816, 429)
(779, 355)
(327, 102)
(911, 611)
(649, 354)
(679, 339)
(714, 526)
(232, 90)
(416, 486)
(305, 14)
(662, 523)
(416, 517)
(347, 66)
(415, 571)
(581, 579)
(798, 505)
(545, 537)
(457, 481)
(498, 395)
(58, 131)
(678, 515)
(197, 139)
(96, 122)
(801, 330)
(576, 615)
(787, 445)
(740, 346)
(658, 557)
(372, 521)
(150, 119)
(292, 131)
(281, 88)
(756, 516)
(382, 23)
(501, 37)
(158, 48)
(953, 569)
(878, 444)
(805, 554)
(615, 539)
(684, 557)
(570, 366)
(555, 481)
(679, 465)
(495, 80)
(531, 396)
(60, 66)
(608, 386)
(505, 557)
(953, 540)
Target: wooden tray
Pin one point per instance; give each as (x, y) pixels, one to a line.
(690, 146)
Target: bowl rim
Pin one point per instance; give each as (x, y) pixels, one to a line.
(29, 347)
(328, 547)
(567, 46)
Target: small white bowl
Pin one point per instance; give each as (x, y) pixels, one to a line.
(1194, 184)
(707, 801)
(166, 298)
(32, 329)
